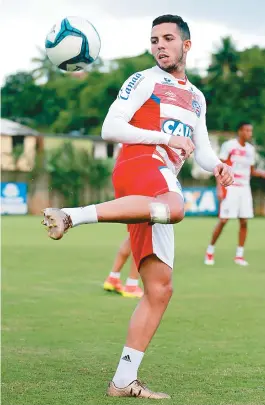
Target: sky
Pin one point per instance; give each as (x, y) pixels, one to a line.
(124, 26)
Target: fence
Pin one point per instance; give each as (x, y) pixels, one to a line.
(40, 194)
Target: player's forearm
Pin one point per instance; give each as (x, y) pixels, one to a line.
(218, 182)
(258, 173)
(116, 129)
(206, 157)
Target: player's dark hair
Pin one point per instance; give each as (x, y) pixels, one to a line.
(242, 123)
(169, 18)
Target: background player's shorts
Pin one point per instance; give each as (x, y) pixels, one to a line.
(148, 177)
(237, 203)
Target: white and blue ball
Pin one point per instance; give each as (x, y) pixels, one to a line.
(73, 44)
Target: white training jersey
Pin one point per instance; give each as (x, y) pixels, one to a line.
(152, 106)
(240, 158)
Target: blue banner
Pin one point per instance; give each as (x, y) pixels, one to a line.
(200, 201)
(14, 198)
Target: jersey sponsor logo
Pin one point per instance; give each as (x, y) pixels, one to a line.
(200, 201)
(168, 82)
(177, 128)
(196, 108)
(133, 83)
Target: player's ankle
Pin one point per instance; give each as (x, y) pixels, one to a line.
(115, 274)
(210, 249)
(132, 282)
(82, 215)
(128, 367)
(240, 251)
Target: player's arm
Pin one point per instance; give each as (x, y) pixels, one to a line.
(133, 94)
(205, 155)
(219, 188)
(224, 157)
(257, 172)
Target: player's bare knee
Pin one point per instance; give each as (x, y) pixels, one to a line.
(164, 293)
(125, 248)
(243, 223)
(176, 214)
(160, 293)
(124, 252)
(223, 221)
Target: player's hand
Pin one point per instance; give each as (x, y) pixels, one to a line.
(224, 174)
(185, 144)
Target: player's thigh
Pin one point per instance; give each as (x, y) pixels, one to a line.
(156, 276)
(157, 239)
(246, 204)
(229, 206)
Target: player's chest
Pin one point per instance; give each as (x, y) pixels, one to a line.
(178, 106)
(240, 157)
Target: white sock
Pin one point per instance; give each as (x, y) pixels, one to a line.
(210, 249)
(82, 215)
(131, 282)
(240, 251)
(128, 366)
(115, 274)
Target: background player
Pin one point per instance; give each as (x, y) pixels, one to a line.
(155, 116)
(236, 201)
(113, 282)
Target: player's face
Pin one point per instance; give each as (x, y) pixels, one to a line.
(245, 132)
(167, 47)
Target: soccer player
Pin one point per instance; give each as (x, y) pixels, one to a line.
(113, 281)
(159, 117)
(236, 201)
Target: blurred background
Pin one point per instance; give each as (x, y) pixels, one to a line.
(61, 333)
(58, 152)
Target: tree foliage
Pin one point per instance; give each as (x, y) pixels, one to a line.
(234, 88)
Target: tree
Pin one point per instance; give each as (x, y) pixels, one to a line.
(45, 69)
(21, 97)
(234, 88)
(250, 58)
(225, 60)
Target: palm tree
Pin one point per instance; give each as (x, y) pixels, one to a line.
(225, 60)
(45, 69)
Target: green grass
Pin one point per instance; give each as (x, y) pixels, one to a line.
(62, 335)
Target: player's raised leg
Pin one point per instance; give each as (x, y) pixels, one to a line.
(130, 209)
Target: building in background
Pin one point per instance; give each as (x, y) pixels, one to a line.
(19, 145)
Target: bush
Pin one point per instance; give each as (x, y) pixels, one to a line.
(73, 169)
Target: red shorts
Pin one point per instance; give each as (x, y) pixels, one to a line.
(147, 176)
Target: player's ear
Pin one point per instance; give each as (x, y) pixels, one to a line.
(186, 45)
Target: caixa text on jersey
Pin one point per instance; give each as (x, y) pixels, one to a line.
(174, 127)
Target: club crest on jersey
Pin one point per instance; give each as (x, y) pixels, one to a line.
(133, 83)
(196, 108)
(174, 127)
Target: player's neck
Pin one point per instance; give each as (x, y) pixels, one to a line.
(241, 142)
(179, 73)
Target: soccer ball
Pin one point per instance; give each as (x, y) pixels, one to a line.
(72, 44)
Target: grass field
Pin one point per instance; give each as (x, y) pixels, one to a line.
(63, 335)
